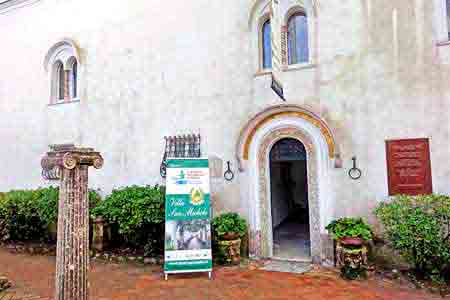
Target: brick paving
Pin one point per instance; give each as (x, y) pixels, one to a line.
(33, 280)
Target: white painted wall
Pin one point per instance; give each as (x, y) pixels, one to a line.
(153, 68)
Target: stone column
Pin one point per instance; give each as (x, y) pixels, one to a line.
(69, 165)
(66, 85)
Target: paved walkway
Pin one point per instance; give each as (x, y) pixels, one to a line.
(33, 278)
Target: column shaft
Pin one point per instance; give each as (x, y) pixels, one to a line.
(73, 235)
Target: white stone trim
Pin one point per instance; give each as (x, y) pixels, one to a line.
(325, 197)
(14, 4)
(324, 163)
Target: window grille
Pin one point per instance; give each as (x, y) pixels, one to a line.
(181, 146)
(287, 150)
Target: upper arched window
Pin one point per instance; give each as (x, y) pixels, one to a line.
(62, 62)
(73, 80)
(59, 82)
(266, 44)
(298, 48)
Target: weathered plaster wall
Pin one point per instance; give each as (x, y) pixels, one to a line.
(155, 68)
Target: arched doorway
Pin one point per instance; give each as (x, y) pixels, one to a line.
(253, 148)
(289, 200)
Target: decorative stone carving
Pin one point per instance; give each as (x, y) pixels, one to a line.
(354, 257)
(260, 242)
(276, 113)
(231, 250)
(72, 255)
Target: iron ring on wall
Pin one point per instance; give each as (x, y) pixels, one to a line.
(228, 175)
(355, 173)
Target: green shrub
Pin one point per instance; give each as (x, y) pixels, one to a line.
(229, 223)
(418, 227)
(26, 214)
(350, 227)
(138, 213)
(20, 216)
(48, 198)
(47, 204)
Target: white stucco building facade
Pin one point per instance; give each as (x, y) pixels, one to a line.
(377, 70)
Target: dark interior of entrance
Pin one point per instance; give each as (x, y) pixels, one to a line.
(289, 198)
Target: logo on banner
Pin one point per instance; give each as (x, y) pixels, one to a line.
(197, 196)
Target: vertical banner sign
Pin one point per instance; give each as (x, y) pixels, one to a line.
(188, 217)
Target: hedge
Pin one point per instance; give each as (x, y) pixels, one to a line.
(25, 215)
(138, 214)
(418, 227)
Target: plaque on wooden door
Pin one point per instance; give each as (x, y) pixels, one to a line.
(409, 167)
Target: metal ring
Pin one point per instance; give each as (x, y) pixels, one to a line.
(355, 173)
(229, 175)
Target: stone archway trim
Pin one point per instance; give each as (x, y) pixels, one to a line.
(262, 241)
(278, 112)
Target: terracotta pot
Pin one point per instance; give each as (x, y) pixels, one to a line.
(231, 251)
(230, 236)
(352, 241)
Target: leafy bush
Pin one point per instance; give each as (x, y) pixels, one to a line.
(139, 214)
(229, 223)
(350, 227)
(26, 214)
(47, 202)
(418, 227)
(20, 216)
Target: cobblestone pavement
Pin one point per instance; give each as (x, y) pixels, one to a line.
(32, 277)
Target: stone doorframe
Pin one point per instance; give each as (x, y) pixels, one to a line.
(253, 151)
(265, 203)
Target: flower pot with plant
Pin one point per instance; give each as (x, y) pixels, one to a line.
(229, 228)
(350, 231)
(351, 236)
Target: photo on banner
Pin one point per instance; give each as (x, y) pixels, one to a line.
(188, 217)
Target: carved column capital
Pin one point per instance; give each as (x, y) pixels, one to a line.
(69, 157)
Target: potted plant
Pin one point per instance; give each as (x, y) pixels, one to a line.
(229, 228)
(351, 251)
(350, 231)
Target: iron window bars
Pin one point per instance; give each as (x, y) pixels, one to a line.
(181, 146)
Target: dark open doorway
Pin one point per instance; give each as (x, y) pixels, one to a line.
(289, 199)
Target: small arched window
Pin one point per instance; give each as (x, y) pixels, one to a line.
(60, 80)
(298, 48)
(266, 43)
(73, 80)
(63, 65)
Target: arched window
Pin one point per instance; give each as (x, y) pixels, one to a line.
(298, 48)
(266, 43)
(59, 82)
(73, 80)
(63, 64)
